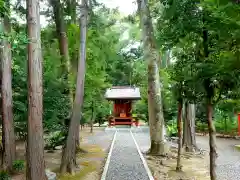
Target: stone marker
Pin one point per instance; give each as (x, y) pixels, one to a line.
(51, 175)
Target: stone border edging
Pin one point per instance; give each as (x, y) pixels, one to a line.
(150, 176)
(104, 174)
(219, 136)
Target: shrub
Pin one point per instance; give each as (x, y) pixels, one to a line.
(4, 176)
(55, 139)
(18, 165)
(172, 128)
(201, 127)
(226, 126)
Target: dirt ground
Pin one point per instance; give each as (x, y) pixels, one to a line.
(90, 163)
(164, 168)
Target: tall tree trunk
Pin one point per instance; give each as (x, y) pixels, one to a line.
(35, 143)
(210, 94)
(179, 126)
(92, 118)
(63, 47)
(78, 137)
(168, 58)
(155, 109)
(63, 42)
(61, 33)
(189, 137)
(69, 153)
(212, 141)
(9, 148)
(1, 57)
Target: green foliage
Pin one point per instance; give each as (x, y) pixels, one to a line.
(226, 126)
(172, 128)
(54, 111)
(18, 165)
(113, 59)
(55, 139)
(223, 126)
(204, 41)
(4, 10)
(103, 49)
(4, 175)
(201, 126)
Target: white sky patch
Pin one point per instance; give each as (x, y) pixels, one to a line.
(22, 20)
(125, 7)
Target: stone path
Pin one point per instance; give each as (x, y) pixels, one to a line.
(125, 161)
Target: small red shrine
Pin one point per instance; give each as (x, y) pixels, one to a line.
(122, 97)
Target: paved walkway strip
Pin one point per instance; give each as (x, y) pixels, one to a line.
(124, 161)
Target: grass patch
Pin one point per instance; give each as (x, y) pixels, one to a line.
(86, 166)
(92, 151)
(237, 147)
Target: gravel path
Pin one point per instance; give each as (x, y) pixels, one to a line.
(101, 138)
(228, 161)
(125, 162)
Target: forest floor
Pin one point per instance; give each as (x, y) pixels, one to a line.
(228, 161)
(195, 167)
(164, 168)
(96, 146)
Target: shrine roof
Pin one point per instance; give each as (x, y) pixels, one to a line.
(123, 92)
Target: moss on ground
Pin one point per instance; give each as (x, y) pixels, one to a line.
(237, 147)
(86, 166)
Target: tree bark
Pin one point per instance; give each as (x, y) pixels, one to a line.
(209, 95)
(189, 137)
(168, 60)
(77, 137)
(212, 141)
(9, 148)
(63, 42)
(61, 33)
(35, 143)
(69, 153)
(179, 126)
(92, 118)
(155, 109)
(63, 47)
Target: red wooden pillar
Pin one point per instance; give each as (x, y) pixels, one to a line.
(137, 123)
(239, 124)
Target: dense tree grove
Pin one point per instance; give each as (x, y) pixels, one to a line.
(185, 59)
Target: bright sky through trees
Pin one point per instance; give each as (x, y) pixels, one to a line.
(125, 6)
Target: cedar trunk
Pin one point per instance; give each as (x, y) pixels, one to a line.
(69, 153)
(92, 118)
(35, 143)
(212, 142)
(189, 137)
(62, 38)
(8, 138)
(155, 109)
(63, 47)
(179, 126)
